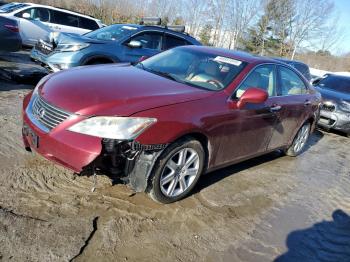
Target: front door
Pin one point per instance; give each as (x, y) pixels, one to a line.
(248, 130)
(151, 44)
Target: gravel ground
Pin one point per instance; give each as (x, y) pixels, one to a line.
(269, 208)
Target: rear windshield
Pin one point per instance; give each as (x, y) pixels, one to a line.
(113, 32)
(8, 8)
(336, 83)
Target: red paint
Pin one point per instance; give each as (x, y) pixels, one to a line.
(235, 129)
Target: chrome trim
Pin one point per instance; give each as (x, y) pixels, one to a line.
(44, 115)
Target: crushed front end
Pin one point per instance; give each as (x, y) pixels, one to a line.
(333, 116)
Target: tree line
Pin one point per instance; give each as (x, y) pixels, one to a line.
(285, 28)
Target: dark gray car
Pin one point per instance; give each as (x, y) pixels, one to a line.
(300, 66)
(335, 109)
(10, 39)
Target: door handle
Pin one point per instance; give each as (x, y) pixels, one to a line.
(275, 108)
(307, 103)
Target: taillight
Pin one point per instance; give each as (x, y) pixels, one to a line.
(12, 28)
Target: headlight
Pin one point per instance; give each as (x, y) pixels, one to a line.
(123, 128)
(344, 106)
(71, 47)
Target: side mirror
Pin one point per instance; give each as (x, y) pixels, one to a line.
(252, 95)
(135, 44)
(26, 15)
(316, 81)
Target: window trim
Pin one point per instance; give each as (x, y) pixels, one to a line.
(233, 96)
(279, 81)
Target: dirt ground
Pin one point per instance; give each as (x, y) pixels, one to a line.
(270, 208)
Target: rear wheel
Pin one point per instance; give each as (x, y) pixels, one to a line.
(177, 171)
(300, 140)
(99, 62)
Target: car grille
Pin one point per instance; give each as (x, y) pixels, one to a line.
(43, 47)
(328, 107)
(48, 115)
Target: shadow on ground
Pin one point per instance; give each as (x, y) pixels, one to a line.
(324, 241)
(214, 177)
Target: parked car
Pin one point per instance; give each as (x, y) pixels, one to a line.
(10, 39)
(2, 3)
(162, 123)
(111, 44)
(300, 66)
(37, 21)
(335, 109)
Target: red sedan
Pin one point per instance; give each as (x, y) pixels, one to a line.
(160, 124)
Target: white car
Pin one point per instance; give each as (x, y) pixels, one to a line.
(37, 21)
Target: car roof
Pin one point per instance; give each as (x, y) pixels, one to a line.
(58, 9)
(285, 60)
(161, 28)
(239, 55)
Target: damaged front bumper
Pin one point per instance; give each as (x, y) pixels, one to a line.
(335, 119)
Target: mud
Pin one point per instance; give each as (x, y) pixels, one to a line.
(269, 208)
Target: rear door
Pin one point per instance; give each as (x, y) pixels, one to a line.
(171, 41)
(66, 23)
(151, 45)
(294, 103)
(248, 130)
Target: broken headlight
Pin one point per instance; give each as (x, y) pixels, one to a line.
(344, 106)
(123, 128)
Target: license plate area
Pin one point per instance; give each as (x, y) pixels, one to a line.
(33, 138)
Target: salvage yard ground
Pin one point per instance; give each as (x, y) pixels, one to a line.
(271, 207)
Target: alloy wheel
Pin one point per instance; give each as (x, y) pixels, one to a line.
(179, 172)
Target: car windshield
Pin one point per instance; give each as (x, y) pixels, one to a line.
(194, 67)
(112, 33)
(336, 83)
(8, 8)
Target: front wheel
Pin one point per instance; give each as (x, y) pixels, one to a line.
(177, 171)
(300, 140)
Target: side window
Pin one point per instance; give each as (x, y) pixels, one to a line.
(291, 83)
(88, 24)
(171, 41)
(149, 40)
(41, 14)
(304, 70)
(262, 77)
(62, 18)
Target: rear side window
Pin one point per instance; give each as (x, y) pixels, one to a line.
(262, 77)
(62, 18)
(88, 24)
(171, 41)
(290, 82)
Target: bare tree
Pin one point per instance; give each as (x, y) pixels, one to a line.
(310, 19)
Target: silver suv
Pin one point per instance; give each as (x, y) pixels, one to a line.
(37, 21)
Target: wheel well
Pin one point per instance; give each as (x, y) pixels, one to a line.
(98, 60)
(204, 142)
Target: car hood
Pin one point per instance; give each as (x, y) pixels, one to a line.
(328, 94)
(71, 38)
(117, 89)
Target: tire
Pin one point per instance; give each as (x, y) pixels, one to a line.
(177, 180)
(299, 141)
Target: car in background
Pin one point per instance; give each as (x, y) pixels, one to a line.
(2, 3)
(335, 109)
(37, 21)
(111, 44)
(10, 39)
(300, 66)
(162, 123)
